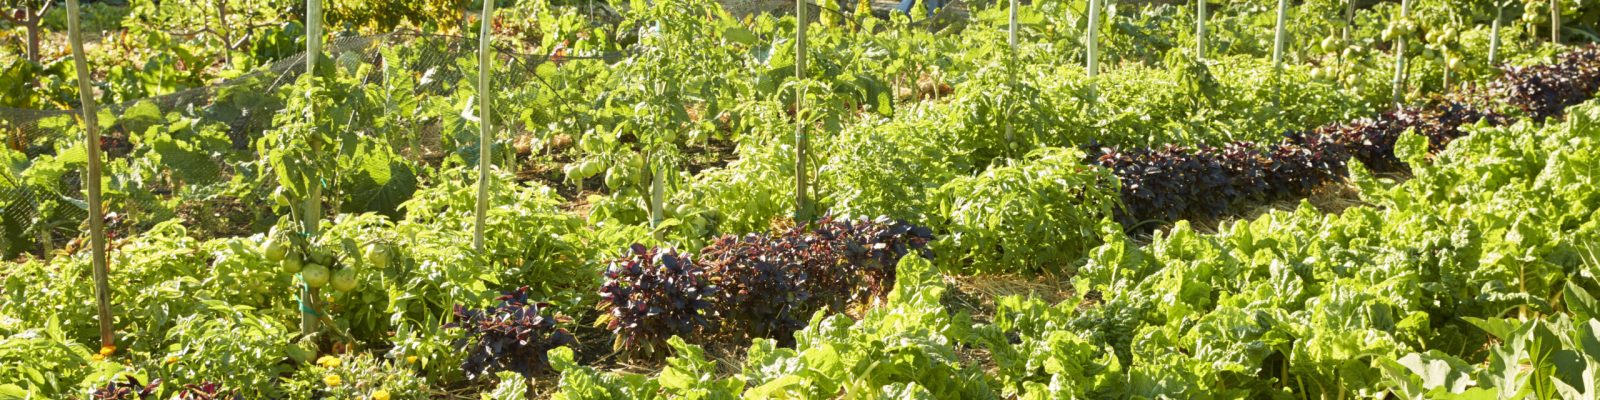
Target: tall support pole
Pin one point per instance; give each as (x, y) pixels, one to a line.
(1279, 36)
(1349, 21)
(1400, 58)
(802, 202)
(1012, 67)
(97, 228)
(1494, 33)
(1090, 40)
(1344, 42)
(313, 201)
(1200, 29)
(802, 208)
(658, 212)
(485, 138)
(1555, 21)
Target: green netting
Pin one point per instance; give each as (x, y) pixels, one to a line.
(190, 155)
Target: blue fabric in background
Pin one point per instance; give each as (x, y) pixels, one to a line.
(928, 5)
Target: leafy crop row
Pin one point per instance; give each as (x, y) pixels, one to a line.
(1475, 279)
(1176, 182)
(755, 286)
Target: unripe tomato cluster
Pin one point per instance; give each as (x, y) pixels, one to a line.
(1441, 46)
(619, 170)
(1399, 29)
(318, 267)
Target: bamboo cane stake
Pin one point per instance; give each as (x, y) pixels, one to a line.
(1278, 38)
(1349, 20)
(1494, 33)
(1200, 29)
(802, 210)
(1555, 21)
(485, 141)
(97, 229)
(1400, 57)
(313, 201)
(1012, 68)
(1090, 40)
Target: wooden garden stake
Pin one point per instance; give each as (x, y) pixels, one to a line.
(1400, 57)
(658, 213)
(1555, 21)
(1200, 29)
(313, 201)
(485, 141)
(802, 209)
(1494, 33)
(1349, 20)
(1278, 38)
(97, 228)
(1090, 41)
(1012, 68)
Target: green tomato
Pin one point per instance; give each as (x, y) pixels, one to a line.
(574, 174)
(274, 249)
(377, 255)
(682, 209)
(615, 178)
(281, 198)
(589, 168)
(315, 275)
(291, 265)
(1330, 44)
(636, 162)
(344, 280)
(321, 257)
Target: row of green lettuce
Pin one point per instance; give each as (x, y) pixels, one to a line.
(1475, 279)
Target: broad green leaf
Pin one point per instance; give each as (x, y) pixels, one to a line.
(1580, 302)
(740, 35)
(1498, 327)
(1428, 373)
